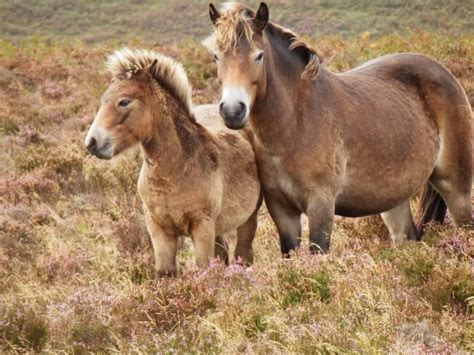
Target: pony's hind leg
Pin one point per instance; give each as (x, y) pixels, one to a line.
(457, 197)
(399, 222)
(221, 249)
(452, 174)
(245, 235)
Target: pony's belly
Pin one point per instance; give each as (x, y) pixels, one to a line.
(382, 174)
(361, 210)
(373, 194)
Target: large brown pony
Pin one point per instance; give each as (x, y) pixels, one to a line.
(354, 144)
(198, 178)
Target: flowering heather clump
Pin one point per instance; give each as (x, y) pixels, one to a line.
(56, 160)
(52, 90)
(76, 265)
(459, 245)
(28, 134)
(19, 242)
(63, 267)
(28, 187)
(23, 328)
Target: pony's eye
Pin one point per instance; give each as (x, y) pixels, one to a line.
(124, 103)
(259, 57)
(216, 58)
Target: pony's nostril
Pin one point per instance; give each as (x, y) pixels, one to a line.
(92, 144)
(243, 109)
(222, 109)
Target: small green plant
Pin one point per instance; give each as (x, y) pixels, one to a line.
(90, 336)
(299, 285)
(8, 126)
(255, 326)
(388, 254)
(23, 328)
(418, 269)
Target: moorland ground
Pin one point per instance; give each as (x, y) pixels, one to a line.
(76, 270)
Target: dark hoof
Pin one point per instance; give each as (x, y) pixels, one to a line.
(165, 273)
(287, 246)
(316, 249)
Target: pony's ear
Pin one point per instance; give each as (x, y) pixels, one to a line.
(261, 17)
(214, 14)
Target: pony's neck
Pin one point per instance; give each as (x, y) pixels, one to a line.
(280, 112)
(175, 136)
(272, 114)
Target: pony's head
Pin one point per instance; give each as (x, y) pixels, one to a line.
(241, 48)
(134, 101)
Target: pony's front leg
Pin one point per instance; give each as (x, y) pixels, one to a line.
(288, 223)
(165, 248)
(320, 212)
(203, 234)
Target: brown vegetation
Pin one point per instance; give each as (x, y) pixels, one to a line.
(75, 262)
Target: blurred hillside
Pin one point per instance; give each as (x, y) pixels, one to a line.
(171, 20)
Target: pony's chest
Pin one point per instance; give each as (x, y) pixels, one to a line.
(170, 211)
(173, 203)
(278, 179)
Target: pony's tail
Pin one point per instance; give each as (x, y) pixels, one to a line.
(432, 208)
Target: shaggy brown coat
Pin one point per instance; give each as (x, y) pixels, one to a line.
(198, 178)
(353, 144)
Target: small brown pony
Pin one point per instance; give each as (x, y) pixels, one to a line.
(354, 144)
(198, 178)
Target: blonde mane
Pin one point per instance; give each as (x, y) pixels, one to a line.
(128, 63)
(235, 22)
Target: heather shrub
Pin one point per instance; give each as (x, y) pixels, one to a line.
(29, 187)
(23, 329)
(171, 303)
(133, 242)
(63, 162)
(418, 268)
(109, 177)
(8, 126)
(76, 263)
(18, 241)
(303, 285)
(29, 135)
(64, 267)
(90, 336)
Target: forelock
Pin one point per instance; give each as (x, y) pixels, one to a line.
(233, 24)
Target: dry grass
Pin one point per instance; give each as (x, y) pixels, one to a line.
(75, 264)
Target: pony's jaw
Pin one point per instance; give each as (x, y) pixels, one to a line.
(234, 107)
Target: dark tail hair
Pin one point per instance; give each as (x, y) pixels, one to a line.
(432, 208)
